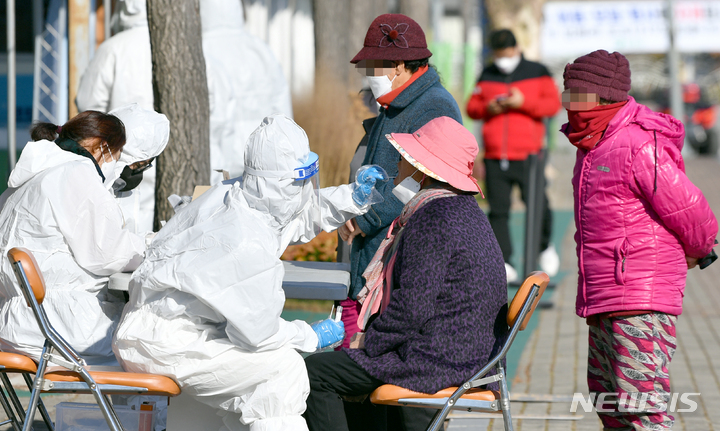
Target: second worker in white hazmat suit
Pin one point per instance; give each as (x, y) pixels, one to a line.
(205, 304)
(120, 73)
(245, 83)
(147, 136)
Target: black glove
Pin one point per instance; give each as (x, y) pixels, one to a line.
(707, 260)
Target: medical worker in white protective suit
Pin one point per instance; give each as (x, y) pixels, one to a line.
(205, 304)
(147, 136)
(245, 84)
(60, 209)
(120, 73)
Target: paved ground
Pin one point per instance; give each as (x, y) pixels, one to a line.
(553, 361)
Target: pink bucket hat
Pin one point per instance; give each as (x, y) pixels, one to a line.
(442, 149)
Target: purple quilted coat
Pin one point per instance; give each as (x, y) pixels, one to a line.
(637, 216)
(446, 316)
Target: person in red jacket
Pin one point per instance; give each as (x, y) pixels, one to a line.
(512, 97)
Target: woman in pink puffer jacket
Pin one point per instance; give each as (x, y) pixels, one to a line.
(640, 224)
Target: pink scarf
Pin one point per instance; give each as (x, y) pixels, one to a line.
(375, 295)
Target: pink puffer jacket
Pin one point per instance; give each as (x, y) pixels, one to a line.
(637, 216)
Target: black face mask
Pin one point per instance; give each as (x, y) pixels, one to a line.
(129, 179)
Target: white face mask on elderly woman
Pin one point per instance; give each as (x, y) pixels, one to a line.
(376, 72)
(407, 189)
(380, 85)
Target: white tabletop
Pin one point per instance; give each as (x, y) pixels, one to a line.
(303, 280)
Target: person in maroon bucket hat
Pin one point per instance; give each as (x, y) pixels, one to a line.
(394, 61)
(641, 225)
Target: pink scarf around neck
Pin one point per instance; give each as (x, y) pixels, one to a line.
(375, 295)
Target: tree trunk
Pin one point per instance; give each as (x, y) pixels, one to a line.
(340, 27)
(418, 10)
(181, 93)
(362, 13)
(523, 17)
(78, 46)
(332, 22)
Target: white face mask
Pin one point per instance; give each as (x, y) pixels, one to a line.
(507, 65)
(380, 85)
(108, 168)
(407, 189)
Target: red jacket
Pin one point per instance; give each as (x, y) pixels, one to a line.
(516, 133)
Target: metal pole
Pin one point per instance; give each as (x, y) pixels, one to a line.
(484, 21)
(38, 17)
(11, 102)
(436, 13)
(530, 214)
(535, 210)
(38, 21)
(64, 69)
(676, 101)
(92, 29)
(107, 6)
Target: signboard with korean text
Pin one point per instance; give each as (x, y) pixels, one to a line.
(698, 26)
(634, 27)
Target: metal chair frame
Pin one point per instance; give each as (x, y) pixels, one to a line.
(8, 407)
(59, 352)
(455, 402)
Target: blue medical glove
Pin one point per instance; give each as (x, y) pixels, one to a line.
(329, 332)
(365, 180)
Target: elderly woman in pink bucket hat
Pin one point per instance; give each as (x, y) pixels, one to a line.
(394, 62)
(436, 291)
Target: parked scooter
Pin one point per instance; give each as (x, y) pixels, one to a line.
(700, 119)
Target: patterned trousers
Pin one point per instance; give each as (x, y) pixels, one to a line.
(629, 356)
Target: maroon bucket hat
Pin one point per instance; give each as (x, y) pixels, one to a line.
(393, 36)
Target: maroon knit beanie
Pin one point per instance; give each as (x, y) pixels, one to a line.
(393, 36)
(607, 75)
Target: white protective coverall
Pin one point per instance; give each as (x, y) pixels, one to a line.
(147, 133)
(120, 73)
(205, 304)
(245, 83)
(58, 208)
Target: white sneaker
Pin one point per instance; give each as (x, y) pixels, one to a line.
(511, 273)
(549, 261)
